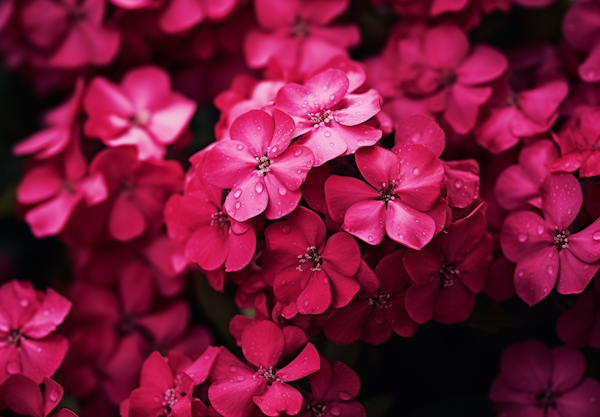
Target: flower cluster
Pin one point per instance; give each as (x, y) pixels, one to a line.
(341, 201)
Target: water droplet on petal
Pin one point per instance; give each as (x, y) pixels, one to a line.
(521, 273)
(327, 134)
(344, 396)
(596, 236)
(240, 147)
(237, 193)
(550, 269)
(240, 378)
(458, 183)
(335, 410)
(522, 237)
(416, 171)
(282, 190)
(259, 188)
(325, 281)
(586, 267)
(12, 367)
(237, 205)
(306, 302)
(283, 281)
(370, 238)
(540, 230)
(24, 302)
(274, 149)
(156, 399)
(232, 368)
(298, 152)
(379, 319)
(54, 395)
(360, 142)
(286, 228)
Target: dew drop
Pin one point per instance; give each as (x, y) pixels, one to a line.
(274, 149)
(332, 97)
(12, 367)
(458, 183)
(360, 142)
(240, 378)
(335, 410)
(279, 213)
(298, 152)
(327, 134)
(586, 267)
(416, 171)
(53, 395)
(331, 143)
(370, 238)
(237, 193)
(237, 205)
(24, 302)
(156, 399)
(344, 396)
(521, 273)
(550, 269)
(540, 230)
(259, 188)
(596, 236)
(240, 147)
(522, 237)
(379, 320)
(545, 289)
(232, 368)
(306, 302)
(282, 190)
(286, 228)
(325, 281)
(283, 281)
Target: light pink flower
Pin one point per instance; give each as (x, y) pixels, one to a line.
(258, 164)
(143, 112)
(331, 120)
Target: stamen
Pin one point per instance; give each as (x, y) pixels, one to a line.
(263, 165)
(446, 271)
(381, 301)
(561, 239)
(310, 256)
(320, 118)
(219, 219)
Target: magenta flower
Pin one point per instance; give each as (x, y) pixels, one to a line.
(333, 391)
(402, 186)
(138, 190)
(529, 173)
(181, 15)
(331, 120)
(579, 326)
(238, 387)
(378, 308)
(537, 382)
(263, 171)
(296, 35)
(449, 271)
(580, 30)
(514, 115)
(62, 129)
(579, 142)
(55, 187)
(454, 75)
(545, 249)
(202, 230)
(23, 396)
(143, 112)
(308, 272)
(27, 322)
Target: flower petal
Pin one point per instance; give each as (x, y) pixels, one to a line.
(536, 275)
(306, 363)
(421, 130)
(561, 200)
(408, 226)
(263, 343)
(343, 192)
(277, 398)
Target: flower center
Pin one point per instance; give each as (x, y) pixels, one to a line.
(446, 274)
(14, 337)
(561, 239)
(320, 118)
(318, 410)
(387, 192)
(311, 256)
(219, 219)
(140, 119)
(268, 374)
(381, 301)
(448, 77)
(299, 29)
(263, 165)
(76, 15)
(546, 399)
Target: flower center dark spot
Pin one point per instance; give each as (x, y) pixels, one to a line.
(263, 165)
(448, 78)
(14, 337)
(447, 272)
(561, 239)
(268, 374)
(310, 257)
(381, 301)
(546, 399)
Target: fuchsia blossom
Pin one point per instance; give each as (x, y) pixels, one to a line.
(201, 228)
(333, 391)
(529, 174)
(546, 249)
(23, 396)
(514, 115)
(404, 186)
(296, 35)
(138, 190)
(537, 382)
(28, 319)
(260, 166)
(580, 29)
(579, 142)
(449, 271)
(378, 308)
(579, 326)
(62, 129)
(309, 272)
(238, 387)
(143, 112)
(331, 120)
(167, 385)
(55, 187)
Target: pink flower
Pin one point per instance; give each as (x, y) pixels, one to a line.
(167, 385)
(296, 35)
(74, 31)
(546, 249)
(143, 112)
(580, 30)
(238, 387)
(449, 271)
(55, 187)
(333, 391)
(378, 308)
(579, 140)
(579, 326)
(514, 115)
(331, 120)
(537, 382)
(454, 75)
(202, 230)
(181, 15)
(529, 173)
(402, 186)
(27, 321)
(62, 129)
(263, 171)
(308, 272)
(138, 190)
(23, 396)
